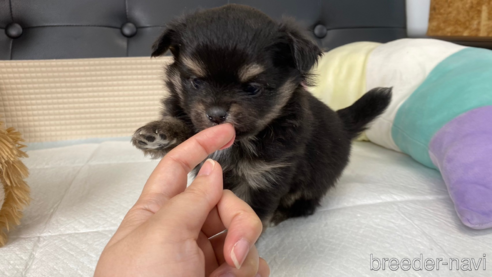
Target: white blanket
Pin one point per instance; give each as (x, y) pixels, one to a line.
(385, 204)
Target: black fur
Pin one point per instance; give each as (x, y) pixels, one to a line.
(290, 148)
(366, 109)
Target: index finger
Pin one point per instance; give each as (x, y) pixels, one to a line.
(169, 178)
(242, 224)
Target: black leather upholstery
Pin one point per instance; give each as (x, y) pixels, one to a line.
(59, 29)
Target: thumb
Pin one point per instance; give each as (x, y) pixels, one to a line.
(185, 214)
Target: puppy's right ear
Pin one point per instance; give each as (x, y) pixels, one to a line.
(167, 41)
(303, 51)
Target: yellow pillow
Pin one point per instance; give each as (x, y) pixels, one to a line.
(340, 75)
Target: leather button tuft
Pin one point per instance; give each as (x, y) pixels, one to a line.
(320, 31)
(129, 29)
(13, 30)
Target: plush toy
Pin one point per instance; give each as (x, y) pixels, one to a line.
(14, 192)
(440, 114)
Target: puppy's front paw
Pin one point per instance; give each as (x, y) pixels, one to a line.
(158, 137)
(150, 138)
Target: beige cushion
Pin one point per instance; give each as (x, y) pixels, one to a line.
(56, 100)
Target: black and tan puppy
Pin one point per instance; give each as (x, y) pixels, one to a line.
(235, 65)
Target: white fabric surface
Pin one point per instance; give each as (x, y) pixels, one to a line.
(385, 204)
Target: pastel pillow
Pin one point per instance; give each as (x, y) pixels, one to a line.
(340, 75)
(440, 113)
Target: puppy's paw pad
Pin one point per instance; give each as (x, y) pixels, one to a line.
(146, 138)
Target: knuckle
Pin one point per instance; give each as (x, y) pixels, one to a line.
(228, 192)
(257, 225)
(151, 205)
(249, 221)
(177, 160)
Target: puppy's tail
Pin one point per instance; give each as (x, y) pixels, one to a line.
(356, 117)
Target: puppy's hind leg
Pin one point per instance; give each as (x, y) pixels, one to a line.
(159, 137)
(296, 208)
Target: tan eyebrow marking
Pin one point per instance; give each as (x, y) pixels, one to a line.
(195, 66)
(249, 71)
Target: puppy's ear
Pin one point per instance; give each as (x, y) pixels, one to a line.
(303, 51)
(167, 41)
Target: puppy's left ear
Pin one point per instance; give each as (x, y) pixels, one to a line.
(304, 51)
(167, 41)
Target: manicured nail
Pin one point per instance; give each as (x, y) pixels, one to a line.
(228, 274)
(239, 252)
(207, 168)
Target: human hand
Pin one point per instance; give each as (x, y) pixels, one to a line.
(166, 232)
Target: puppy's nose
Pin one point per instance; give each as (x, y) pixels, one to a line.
(217, 115)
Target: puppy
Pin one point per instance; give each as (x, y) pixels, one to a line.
(235, 65)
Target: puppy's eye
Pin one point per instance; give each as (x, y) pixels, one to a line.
(252, 89)
(196, 82)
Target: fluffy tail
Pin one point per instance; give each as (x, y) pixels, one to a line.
(356, 117)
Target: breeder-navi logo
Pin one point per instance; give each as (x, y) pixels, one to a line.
(428, 264)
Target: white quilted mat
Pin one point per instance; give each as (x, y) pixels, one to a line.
(386, 205)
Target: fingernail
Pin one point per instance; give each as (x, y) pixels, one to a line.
(258, 275)
(207, 168)
(228, 274)
(239, 252)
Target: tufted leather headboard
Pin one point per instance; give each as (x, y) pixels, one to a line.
(63, 29)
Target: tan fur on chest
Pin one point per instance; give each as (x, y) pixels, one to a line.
(249, 173)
